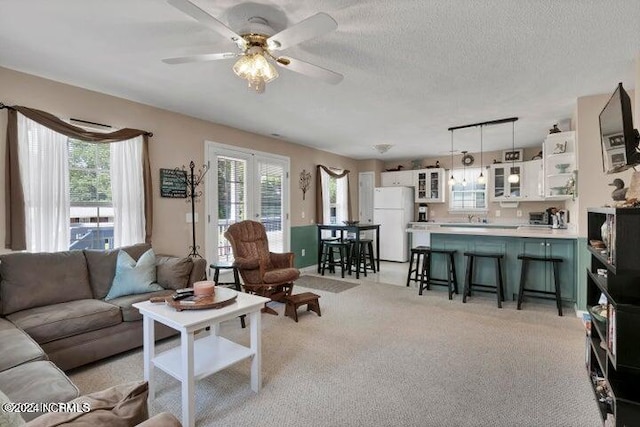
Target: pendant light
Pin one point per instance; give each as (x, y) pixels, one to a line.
(513, 178)
(452, 180)
(481, 179)
(464, 169)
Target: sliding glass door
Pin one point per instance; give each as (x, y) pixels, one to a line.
(241, 185)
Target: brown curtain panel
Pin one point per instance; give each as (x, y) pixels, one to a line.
(320, 196)
(15, 220)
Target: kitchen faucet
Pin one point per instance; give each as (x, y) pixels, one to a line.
(470, 217)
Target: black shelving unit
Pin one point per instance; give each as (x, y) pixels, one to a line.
(613, 343)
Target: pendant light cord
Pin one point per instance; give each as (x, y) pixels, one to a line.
(513, 144)
(481, 171)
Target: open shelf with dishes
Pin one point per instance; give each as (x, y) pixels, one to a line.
(559, 164)
(613, 300)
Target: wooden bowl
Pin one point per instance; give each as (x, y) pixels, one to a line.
(598, 244)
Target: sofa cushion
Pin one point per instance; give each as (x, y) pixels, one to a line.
(8, 419)
(120, 406)
(102, 266)
(17, 347)
(134, 277)
(39, 381)
(173, 272)
(39, 279)
(129, 313)
(45, 324)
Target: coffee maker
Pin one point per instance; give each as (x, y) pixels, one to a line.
(423, 212)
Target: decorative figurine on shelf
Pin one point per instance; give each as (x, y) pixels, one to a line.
(305, 182)
(437, 165)
(193, 180)
(554, 129)
(620, 193)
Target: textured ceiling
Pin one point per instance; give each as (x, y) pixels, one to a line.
(412, 68)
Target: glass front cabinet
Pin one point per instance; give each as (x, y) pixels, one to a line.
(502, 188)
(429, 185)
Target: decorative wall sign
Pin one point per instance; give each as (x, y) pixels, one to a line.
(173, 183)
(512, 155)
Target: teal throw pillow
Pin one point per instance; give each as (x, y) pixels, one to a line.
(134, 278)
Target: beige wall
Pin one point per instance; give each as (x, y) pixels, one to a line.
(177, 140)
(593, 184)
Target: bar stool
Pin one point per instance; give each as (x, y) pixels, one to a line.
(332, 248)
(451, 282)
(418, 254)
(468, 281)
(225, 265)
(366, 256)
(556, 279)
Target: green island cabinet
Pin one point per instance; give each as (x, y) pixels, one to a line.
(612, 353)
(539, 276)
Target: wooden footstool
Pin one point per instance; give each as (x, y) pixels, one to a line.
(295, 301)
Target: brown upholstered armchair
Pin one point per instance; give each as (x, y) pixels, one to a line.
(264, 273)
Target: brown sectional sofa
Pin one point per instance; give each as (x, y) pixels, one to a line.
(53, 316)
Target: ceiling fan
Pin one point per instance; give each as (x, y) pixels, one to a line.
(259, 46)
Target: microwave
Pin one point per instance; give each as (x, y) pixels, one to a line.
(539, 218)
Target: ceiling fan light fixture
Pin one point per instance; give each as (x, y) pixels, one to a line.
(255, 69)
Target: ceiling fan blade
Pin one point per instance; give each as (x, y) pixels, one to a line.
(310, 70)
(209, 21)
(200, 58)
(312, 27)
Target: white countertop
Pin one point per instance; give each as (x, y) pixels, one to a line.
(476, 229)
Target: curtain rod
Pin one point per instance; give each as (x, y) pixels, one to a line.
(490, 122)
(90, 123)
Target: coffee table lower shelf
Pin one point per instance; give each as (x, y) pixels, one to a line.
(211, 354)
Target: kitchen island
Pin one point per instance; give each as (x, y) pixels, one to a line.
(509, 240)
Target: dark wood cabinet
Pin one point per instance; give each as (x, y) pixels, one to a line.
(613, 341)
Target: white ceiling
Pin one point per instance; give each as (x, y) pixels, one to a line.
(412, 68)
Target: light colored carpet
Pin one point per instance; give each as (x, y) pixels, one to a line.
(323, 284)
(382, 355)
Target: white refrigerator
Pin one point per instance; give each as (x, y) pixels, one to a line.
(393, 210)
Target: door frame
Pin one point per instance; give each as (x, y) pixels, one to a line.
(211, 193)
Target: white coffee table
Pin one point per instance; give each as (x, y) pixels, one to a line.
(209, 353)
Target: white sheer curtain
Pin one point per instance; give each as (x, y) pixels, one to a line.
(44, 172)
(342, 199)
(326, 201)
(127, 192)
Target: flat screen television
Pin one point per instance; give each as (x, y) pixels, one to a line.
(619, 139)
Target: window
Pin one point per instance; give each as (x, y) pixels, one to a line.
(109, 181)
(91, 207)
(469, 197)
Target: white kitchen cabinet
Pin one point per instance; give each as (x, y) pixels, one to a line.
(429, 185)
(502, 189)
(397, 179)
(559, 154)
(532, 181)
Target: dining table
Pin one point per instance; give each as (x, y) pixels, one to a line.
(339, 230)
